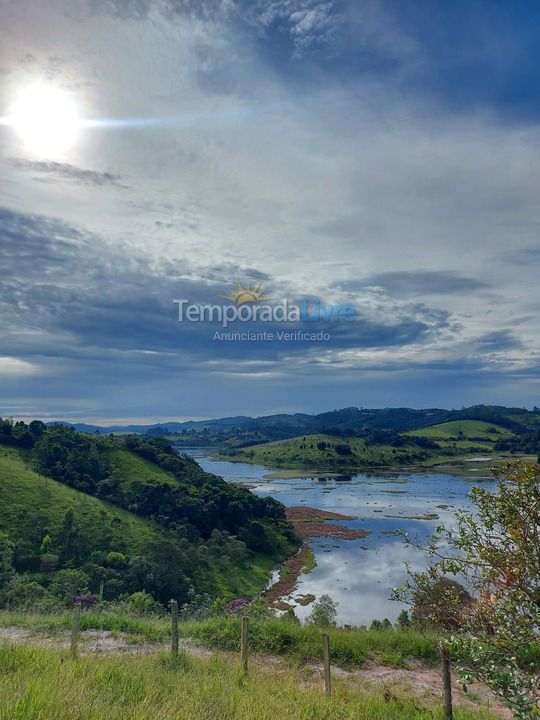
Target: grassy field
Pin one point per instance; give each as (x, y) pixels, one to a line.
(249, 580)
(130, 467)
(29, 502)
(459, 439)
(300, 644)
(37, 683)
(469, 428)
(138, 679)
(307, 451)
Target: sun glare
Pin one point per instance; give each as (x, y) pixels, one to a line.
(46, 119)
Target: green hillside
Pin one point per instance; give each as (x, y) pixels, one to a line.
(328, 451)
(32, 506)
(468, 429)
(130, 467)
(379, 447)
(82, 514)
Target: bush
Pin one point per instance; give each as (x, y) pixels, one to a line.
(324, 612)
(68, 583)
(141, 603)
(26, 595)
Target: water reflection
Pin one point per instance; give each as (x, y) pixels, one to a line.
(359, 574)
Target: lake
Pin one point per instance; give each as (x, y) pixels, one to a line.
(358, 574)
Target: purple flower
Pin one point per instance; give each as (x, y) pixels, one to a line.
(239, 602)
(85, 600)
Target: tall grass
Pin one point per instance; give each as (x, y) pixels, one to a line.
(153, 628)
(350, 648)
(38, 684)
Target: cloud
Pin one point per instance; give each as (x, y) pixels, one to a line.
(64, 171)
(299, 143)
(420, 282)
(527, 256)
(16, 366)
(306, 22)
(499, 340)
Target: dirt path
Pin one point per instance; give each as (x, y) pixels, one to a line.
(420, 682)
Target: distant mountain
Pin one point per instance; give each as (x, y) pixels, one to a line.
(169, 426)
(284, 425)
(80, 427)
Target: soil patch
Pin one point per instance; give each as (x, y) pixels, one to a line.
(310, 523)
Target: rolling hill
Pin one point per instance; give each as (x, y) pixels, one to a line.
(430, 445)
(325, 451)
(32, 506)
(468, 429)
(80, 513)
(243, 431)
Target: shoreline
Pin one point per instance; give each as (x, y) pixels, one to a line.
(308, 523)
(464, 465)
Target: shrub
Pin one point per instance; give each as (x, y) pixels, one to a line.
(324, 612)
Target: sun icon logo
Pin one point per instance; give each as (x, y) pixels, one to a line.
(246, 294)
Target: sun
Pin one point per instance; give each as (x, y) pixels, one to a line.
(46, 119)
(246, 294)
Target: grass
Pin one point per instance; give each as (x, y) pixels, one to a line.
(298, 643)
(302, 644)
(130, 467)
(469, 428)
(151, 628)
(304, 452)
(30, 502)
(249, 580)
(310, 562)
(48, 685)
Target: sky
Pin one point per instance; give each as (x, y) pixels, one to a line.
(374, 153)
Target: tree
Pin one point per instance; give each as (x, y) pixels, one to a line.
(68, 583)
(495, 549)
(46, 543)
(37, 428)
(439, 601)
(7, 571)
(68, 527)
(290, 616)
(324, 612)
(403, 620)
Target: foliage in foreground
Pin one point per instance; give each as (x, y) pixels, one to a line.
(278, 636)
(496, 551)
(303, 643)
(46, 684)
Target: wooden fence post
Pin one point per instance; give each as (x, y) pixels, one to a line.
(447, 683)
(244, 643)
(75, 630)
(174, 627)
(326, 657)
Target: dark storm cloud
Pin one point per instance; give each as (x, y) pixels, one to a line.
(64, 171)
(101, 305)
(499, 340)
(31, 245)
(421, 282)
(526, 256)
